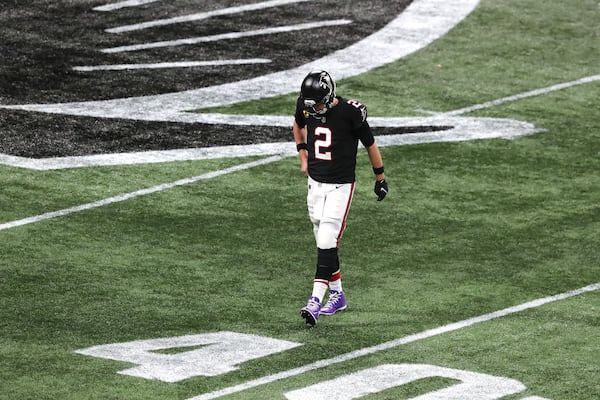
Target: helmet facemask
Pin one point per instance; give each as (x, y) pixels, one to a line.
(319, 108)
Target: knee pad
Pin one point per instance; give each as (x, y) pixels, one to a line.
(327, 263)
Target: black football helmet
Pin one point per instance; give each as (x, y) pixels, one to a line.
(318, 88)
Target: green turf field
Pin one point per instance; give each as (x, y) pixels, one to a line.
(469, 228)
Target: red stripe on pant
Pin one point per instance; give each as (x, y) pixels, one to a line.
(345, 215)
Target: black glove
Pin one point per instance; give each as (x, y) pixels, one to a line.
(381, 189)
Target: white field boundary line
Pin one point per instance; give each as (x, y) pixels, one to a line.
(532, 93)
(396, 343)
(138, 193)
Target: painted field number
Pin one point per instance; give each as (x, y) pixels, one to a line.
(472, 386)
(210, 354)
(213, 354)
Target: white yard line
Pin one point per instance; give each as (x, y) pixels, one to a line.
(163, 65)
(227, 36)
(395, 343)
(143, 192)
(532, 93)
(203, 15)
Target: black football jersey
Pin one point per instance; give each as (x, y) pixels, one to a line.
(332, 139)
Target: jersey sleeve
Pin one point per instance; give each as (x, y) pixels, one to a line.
(365, 135)
(361, 128)
(300, 115)
(358, 113)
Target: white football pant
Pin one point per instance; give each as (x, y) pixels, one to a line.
(328, 206)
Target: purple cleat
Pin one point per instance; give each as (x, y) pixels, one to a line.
(311, 312)
(336, 302)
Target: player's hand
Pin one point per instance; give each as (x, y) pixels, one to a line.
(381, 189)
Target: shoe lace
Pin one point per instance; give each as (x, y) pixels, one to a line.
(333, 299)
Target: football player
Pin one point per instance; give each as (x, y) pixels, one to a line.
(327, 129)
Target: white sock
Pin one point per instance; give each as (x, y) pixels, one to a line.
(319, 289)
(336, 281)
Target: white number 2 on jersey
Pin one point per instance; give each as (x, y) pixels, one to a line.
(322, 143)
